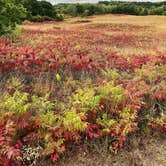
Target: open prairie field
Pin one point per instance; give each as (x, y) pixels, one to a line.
(86, 88)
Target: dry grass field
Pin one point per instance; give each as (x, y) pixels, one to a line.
(130, 34)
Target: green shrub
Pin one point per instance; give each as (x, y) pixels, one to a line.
(39, 18)
(11, 13)
(59, 17)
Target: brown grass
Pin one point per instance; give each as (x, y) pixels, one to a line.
(139, 150)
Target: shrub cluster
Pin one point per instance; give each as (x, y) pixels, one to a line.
(45, 124)
(39, 18)
(11, 13)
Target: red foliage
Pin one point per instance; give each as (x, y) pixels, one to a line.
(92, 131)
(159, 95)
(76, 51)
(54, 157)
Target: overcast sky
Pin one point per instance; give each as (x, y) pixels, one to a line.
(91, 1)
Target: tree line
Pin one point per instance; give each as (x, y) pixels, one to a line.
(13, 12)
(114, 7)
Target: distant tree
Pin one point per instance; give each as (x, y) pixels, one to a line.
(104, 2)
(100, 9)
(115, 7)
(46, 9)
(143, 12)
(91, 10)
(86, 13)
(41, 11)
(80, 9)
(71, 10)
(158, 11)
(33, 7)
